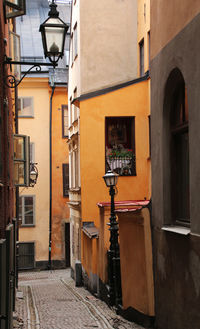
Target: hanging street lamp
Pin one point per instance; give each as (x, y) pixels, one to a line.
(53, 32)
(114, 274)
(33, 174)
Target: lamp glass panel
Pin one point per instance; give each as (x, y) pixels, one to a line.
(54, 37)
(33, 175)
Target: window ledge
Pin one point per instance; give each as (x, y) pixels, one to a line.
(27, 225)
(26, 116)
(176, 229)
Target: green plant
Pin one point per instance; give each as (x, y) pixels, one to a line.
(120, 154)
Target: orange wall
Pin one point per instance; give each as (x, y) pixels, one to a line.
(136, 261)
(60, 210)
(130, 101)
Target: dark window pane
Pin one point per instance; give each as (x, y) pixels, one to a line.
(65, 179)
(141, 45)
(180, 193)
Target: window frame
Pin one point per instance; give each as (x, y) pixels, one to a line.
(130, 168)
(65, 165)
(75, 42)
(179, 165)
(23, 224)
(141, 54)
(64, 108)
(20, 99)
(25, 160)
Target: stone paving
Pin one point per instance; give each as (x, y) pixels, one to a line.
(50, 300)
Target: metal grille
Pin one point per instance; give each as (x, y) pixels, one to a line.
(26, 255)
(124, 166)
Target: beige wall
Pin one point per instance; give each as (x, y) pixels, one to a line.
(74, 67)
(38, 130)
(167, 21)
(108, 46)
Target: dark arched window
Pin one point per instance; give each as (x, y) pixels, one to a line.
(179, 154)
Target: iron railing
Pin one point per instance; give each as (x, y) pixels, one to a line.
(124, 166)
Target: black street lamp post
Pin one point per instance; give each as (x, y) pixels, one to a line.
(114, 275)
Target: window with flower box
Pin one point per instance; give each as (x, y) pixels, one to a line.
(120, 145)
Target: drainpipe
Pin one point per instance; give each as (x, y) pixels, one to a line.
(16, 187)
(50, 169)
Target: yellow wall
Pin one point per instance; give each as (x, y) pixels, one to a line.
(60, 155)
(143, 29)
(130, 101)
(38, 130)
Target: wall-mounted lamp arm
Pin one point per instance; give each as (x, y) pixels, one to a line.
(10, 80)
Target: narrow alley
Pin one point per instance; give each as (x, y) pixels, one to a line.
(50, 300)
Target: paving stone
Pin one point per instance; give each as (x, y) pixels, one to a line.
(51, 298)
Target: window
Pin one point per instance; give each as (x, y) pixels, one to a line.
(74, 167)
(25, 107)
(75, 109)
(120, 145)
(64, 121)
(71, 50)
(21, 160)
(141, 46)
(27, 209)
(75, 43)
(32, 152)
(65, 179)
(15, 8)
(70, 112)
(179, 151)
(149, 45)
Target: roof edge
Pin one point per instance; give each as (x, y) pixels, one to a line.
(104, 91)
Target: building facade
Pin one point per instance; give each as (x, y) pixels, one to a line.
(8, 127)
(175, 162)
(109, 115)
(43, 113)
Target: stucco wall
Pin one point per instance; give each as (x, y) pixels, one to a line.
(130, 101)
(167, 20)
(108, 43)
(38, 130)
(60, 155)
(176, 257)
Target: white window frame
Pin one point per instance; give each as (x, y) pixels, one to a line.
(75, 42)
(23, 216)
(25, 161)
(32, 152)
(20, 100)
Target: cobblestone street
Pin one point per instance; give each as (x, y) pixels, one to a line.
(50, 300)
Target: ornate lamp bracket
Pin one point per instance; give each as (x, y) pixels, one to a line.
(10, 80)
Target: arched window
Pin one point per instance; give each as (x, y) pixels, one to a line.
(179, 154)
